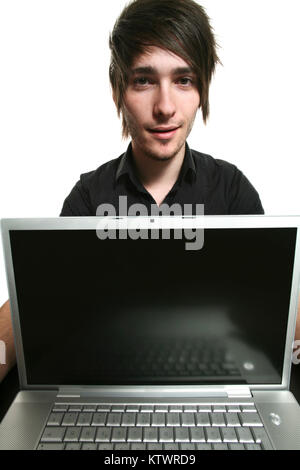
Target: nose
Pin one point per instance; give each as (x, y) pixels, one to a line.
(164, 103)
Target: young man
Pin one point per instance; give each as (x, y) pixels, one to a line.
(163, 56)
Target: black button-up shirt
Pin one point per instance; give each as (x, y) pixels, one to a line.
(219, 185)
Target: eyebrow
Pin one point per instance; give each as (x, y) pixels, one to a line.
(148, 70)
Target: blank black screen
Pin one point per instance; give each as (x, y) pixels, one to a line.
(100, 312)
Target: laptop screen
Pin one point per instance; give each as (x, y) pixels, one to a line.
(151, 312)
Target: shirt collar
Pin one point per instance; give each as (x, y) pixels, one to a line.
(127, 166)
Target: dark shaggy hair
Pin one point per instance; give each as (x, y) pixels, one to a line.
(179, 26)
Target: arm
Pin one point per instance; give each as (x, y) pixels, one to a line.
(6, 335)
(297, 333)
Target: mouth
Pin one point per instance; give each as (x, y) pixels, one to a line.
(163, 133)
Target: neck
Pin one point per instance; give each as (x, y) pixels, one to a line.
(154, 172)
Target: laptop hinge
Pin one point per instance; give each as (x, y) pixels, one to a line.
(238, 392)
(227, 391)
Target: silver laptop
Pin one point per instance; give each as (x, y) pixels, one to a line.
(153, 333)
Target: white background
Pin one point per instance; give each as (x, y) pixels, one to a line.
(57, 118)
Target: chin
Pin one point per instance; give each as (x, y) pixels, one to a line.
(163, 154)
(162, 157)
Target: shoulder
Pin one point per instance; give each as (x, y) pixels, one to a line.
(82, 199)
(213, 166)
(102, 173)
(227, 183)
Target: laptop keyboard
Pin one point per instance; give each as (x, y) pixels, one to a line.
(154, 427)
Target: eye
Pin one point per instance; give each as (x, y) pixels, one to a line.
(141, 81)
(185, 81)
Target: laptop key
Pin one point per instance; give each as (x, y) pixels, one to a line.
(187, 446)
(73, 446)
(102, 408)
(88, 434)
(69, 419)
(55, 419)
(190, 408)
(74, 408)
(213, 435)
(105, 446)
(173, 419)
(118, 434)
(249, 409)
(166, 435)
(89, 446)
(147, 408)
(217, 419)
(219, 409)
(233, 409)
(123, 446)
(46, 446)
(175, 408)
(118, 408)
(161, 408)
(133, 408)
(143, 419)
(59, 407)
(128, 419)
(84, 419)
(181, 435)
(250, 419)
(150, 434)
(253, 447)
(171, 446)
(155, 446)
(138, 446)
(158, 419)
(197, 435)
(114, 419)
(72, 434)
(232, 419)
(204, 409)
(135, 435)
(236, 447)
(220, 447)
(229, 435)
(53, 434)
(89, 408)
(188, 419)
(244, 435)
(99, 419)
(103, 434)
(203, 446)
(202, 419)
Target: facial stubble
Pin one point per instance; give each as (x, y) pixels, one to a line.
(133, 132)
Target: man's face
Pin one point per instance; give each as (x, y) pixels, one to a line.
(160, 104)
